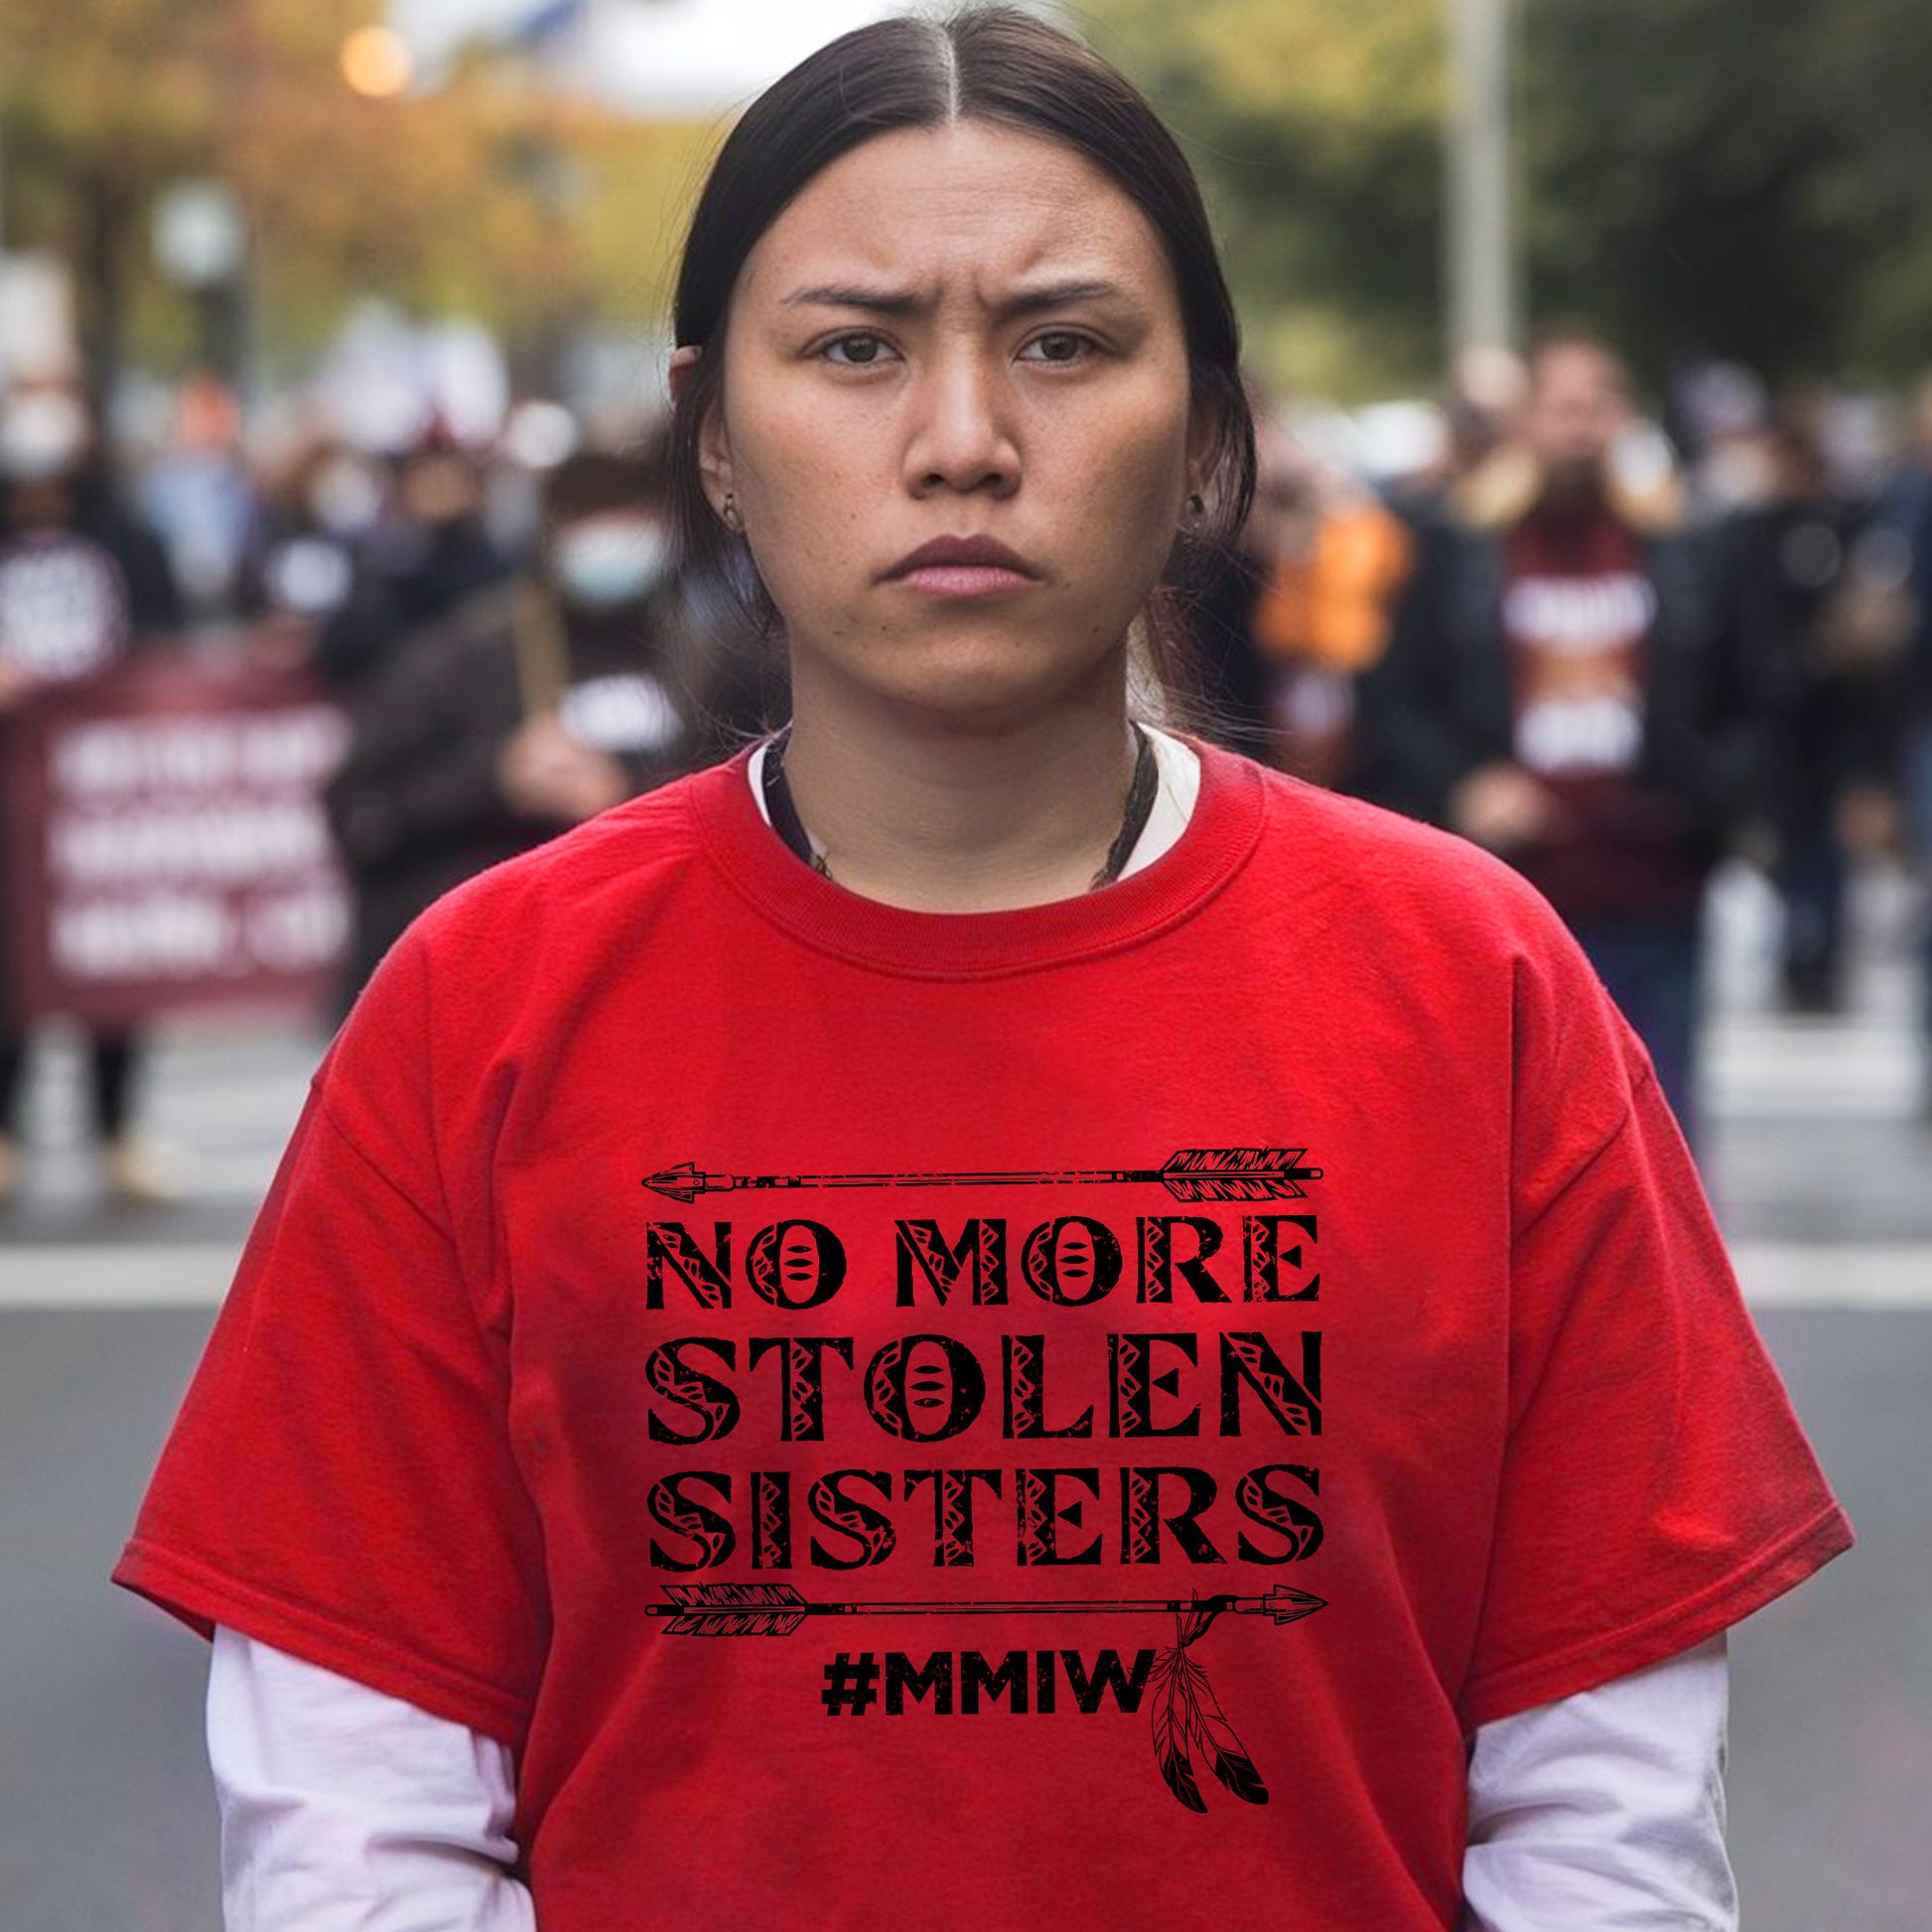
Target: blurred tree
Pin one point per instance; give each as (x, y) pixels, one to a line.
(1718, 176)
(98, 106)
(1316, 131)
(1697, 176)
(488, 196)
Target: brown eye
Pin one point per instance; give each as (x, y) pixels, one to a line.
(1063, 346)
(870, 344)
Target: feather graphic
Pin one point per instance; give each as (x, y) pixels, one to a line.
(1237, 1174)
(1187, 1714)
(1218, 1743)
(735, 1609)
(1172, 1726)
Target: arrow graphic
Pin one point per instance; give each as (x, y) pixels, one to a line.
(1202, 1173)
(777, 1609)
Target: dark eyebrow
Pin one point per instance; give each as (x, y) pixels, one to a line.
(890, 301)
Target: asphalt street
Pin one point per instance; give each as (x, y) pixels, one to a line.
(1819, 1160)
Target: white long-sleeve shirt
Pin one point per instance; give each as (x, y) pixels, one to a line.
(346, 1810)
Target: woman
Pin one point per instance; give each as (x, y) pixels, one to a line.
(1090, 1128)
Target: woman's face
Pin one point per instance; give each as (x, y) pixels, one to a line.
(959, 331)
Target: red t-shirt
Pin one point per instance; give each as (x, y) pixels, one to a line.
(1292, 1224)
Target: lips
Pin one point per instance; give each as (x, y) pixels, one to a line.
(983, 553)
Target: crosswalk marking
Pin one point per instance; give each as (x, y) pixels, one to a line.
(1766, 1067)
(115, 1275)
(1834, 1275)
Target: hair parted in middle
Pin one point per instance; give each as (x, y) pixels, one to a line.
(1002, 67)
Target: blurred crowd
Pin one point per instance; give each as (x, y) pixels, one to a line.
(497, 619)
(1614, 648)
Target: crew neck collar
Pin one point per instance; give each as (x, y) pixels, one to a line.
(1219, 833)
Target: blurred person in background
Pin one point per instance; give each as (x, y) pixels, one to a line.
(427, 550)
(1899, 555)
(1560, 688)
(1298, 610)
(1440, 446)
(529, 708)
(1720, 418)
(199, 497)
(1816, 602)
(1336, 558)
(305, 570)
(81, 583)
(1487, 393)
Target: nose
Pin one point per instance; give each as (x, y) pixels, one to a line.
(961, 432)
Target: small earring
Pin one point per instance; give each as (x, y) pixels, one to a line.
(732, 521)
(1197, 505)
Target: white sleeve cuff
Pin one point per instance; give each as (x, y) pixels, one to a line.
(1606, 1809)
(342, 1807)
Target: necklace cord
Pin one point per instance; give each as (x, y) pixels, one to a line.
(1140, 805)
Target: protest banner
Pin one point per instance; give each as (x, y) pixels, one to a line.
(164, 843)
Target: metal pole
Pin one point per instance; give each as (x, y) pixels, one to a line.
(1479, 257)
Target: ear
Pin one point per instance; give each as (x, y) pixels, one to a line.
(714, 445)
(1203, 434)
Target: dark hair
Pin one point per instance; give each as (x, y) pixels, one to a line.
(1002, 67)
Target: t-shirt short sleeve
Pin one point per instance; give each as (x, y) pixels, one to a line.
(1656, 1486)
(338, 1480)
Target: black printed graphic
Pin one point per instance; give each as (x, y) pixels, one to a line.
(1187, 1718)
(1195, 1173)
(1007, 1686)
(777, 1609)
(1187, 1714)
(927, 1388)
